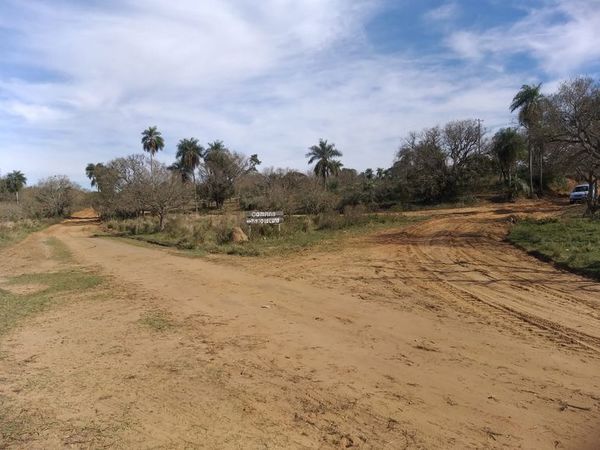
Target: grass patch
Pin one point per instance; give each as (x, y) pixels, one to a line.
(60, 251)
(157, 320)
(571, 243)
(297, 233)
(14, 428)
(13, 232)
(15, 307)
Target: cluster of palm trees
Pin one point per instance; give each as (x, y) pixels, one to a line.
(190, 153)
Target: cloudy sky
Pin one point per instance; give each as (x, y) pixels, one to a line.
(79, 80)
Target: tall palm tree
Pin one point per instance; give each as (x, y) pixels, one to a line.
(15, 182)
(152, 143)
(324, 154)
(92, 171)
(528, 101)
(189, 153)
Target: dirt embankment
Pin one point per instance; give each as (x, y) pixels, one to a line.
(439, 335)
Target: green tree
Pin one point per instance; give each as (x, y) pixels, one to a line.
(15, 182)
(529, 101)
(507, 147)
(189, 154)
(324, 155)
(220, 169)
(152, 142)
(253, 162)
(92, 171)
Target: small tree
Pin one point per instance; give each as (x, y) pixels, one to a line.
(220, 169)
(54, 196)
(14, 182)
(507, 147)
(164, 193)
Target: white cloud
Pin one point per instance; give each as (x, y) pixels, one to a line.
(561, 34)
(267, 77)
(444, 12)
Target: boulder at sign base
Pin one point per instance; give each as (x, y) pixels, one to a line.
(238, 235)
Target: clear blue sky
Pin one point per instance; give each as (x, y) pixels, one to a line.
(80, 80)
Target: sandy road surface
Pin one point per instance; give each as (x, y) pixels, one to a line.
(435, 336)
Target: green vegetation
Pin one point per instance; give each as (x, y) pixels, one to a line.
(214, 234)
(324, 156)
(158, 320)
(571, 243)
(13, 232)
(29, 294)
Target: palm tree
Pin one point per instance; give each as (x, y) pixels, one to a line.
(92, 171)
(189, 153)
(528, 101)
(152, 143)
(15, 182)
(324, 155)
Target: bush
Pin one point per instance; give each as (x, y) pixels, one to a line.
(329, 220)
(223, 231)
(134, 227)
(10, 211)
(354, 215)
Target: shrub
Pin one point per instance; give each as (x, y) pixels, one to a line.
(354, 215)
(330, 220)
(10, 212)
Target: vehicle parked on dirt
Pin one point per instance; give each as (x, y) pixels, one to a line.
(580, 193)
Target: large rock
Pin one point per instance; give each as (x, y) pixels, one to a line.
(238, 235)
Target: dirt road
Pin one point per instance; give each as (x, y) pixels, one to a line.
(439, 335)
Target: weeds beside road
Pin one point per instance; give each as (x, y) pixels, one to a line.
(212, 234)
(571, 243)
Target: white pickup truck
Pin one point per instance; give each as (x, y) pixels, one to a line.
(580, 193)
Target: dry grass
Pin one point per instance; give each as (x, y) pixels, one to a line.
(14, 306)
(212, 234)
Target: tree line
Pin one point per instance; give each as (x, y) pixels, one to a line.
(557, 137)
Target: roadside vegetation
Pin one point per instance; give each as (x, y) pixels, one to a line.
(572, 243)
(227, 233)
(198, 201)
(24, 210)
(12, 232)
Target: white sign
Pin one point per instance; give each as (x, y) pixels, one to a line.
(264, 217)
(264, 220)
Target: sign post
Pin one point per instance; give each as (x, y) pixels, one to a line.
(264, 218)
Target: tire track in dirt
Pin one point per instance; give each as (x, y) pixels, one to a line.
(444, 240)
